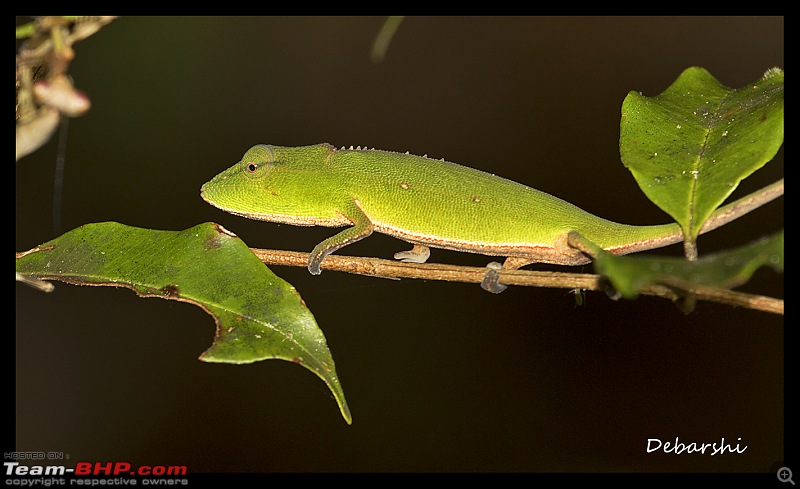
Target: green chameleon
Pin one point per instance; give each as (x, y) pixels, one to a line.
(424, 201)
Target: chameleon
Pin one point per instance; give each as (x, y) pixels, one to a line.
(423, 201)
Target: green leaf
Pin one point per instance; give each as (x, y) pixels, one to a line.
(689, 147)
(258, 315)
(629, 274)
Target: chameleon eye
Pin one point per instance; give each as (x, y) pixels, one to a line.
(257, 161)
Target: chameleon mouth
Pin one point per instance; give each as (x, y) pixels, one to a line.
(207, 188)
(213, 190)
(211, 194)
(204, 192)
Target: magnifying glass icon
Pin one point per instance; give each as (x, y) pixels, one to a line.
(785, 475)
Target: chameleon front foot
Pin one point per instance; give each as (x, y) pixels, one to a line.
(491, 280)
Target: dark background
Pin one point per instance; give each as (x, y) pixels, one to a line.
(439, 376)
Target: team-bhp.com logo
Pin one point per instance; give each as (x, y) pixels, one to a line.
(96, 469)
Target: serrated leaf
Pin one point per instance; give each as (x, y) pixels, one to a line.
(629, 274)
(689, 147)
(259, 316)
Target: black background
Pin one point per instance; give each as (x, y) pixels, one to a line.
(439, 376)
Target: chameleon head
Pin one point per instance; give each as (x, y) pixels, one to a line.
(278, 184)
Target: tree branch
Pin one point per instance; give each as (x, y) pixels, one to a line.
(376, 267)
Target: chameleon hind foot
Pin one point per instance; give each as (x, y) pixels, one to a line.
(491, 280)
(417, 254)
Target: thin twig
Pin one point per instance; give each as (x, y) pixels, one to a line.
(376, 267)
(744, 205)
